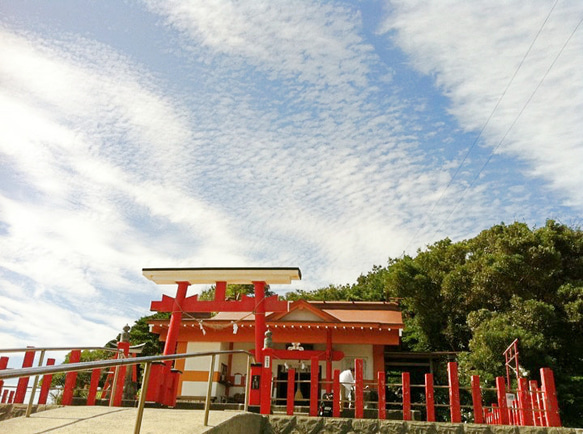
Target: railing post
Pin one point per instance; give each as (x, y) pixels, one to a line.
(381, 389)
(291, 389)
(359, 389)
(34, 385)
(3, 365)
(477, 399)
(551, 404)
(5, 396)
(93, 385)
(71, 379)
(406, 386)
(336, 394)
(23, 382)
(454, 393)
(142, 401)
(524, 403)
(46, 384)
(314, 371)
(429, 398)
(501, 394)
(207, 403)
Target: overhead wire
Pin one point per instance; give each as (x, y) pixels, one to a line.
(514, 122)
(475, 142)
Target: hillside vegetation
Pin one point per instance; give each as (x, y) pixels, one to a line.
(476, 296)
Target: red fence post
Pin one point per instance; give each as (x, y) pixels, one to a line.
(406, 386)
(314, 371)
(454, 392)
(46, 384)
(501, 395)
(4, 396)
(551, 404)
(381, 390)
(11, 397)
(70, 379)
(3, 365)
(291, 391)
(359, 389)
(524, 403)
(91, 395)
(121, 376)
(23, 382)
(429, 398)
(477, 400)
(336, 394)
(266, 374)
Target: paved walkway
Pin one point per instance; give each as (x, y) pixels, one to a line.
(113, 420)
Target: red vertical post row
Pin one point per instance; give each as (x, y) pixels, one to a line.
(501, 395)
(291, 391)
(406, 386)
(91, 395)
(454, 393)
(381, 389)
(359, 389)
(477, 399)
(46, 384)
(23, 382)
(71, 379)
(429, 398)
(336, 393)
(524, 403)
(314, 371)
(3, 365)
(551, 404)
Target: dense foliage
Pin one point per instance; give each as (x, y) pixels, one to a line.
(476, 296)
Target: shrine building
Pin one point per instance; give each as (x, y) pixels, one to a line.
(336, 332)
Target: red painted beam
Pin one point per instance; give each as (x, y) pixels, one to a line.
(304, 355)
(246, 304)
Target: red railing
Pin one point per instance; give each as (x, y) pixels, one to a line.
(529, 405)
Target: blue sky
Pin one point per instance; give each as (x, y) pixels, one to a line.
(328, 136)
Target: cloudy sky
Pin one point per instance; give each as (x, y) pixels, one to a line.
(328, 136)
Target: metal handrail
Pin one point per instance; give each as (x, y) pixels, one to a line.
(148, 360)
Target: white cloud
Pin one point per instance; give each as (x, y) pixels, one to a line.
(472, 49)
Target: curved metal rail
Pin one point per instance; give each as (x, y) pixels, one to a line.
(148, 360)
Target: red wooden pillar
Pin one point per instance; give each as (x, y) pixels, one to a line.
(382, 389)
(359, 389)
(71, 379)
(121, 376)
(175, 319)
(265, 404)
(314, 371)
(328, 360)
(23, 382)
(551, 404)
(11, 397)
(259, 319)
(537, 415)
(336, 393)
(95, 374)
(524, 403)
(429, 398)
(220, 291)
(454, 393)
(477, 399)
(5, 396)
(501, 394)
(46, 384)
(291, 391)
(3, 365)
(406, 386)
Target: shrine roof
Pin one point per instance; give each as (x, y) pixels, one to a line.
(238, 275)
(342, 312)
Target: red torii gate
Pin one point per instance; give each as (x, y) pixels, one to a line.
(164, 390)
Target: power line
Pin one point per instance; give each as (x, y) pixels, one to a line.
(474, 143)
(513, 123)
